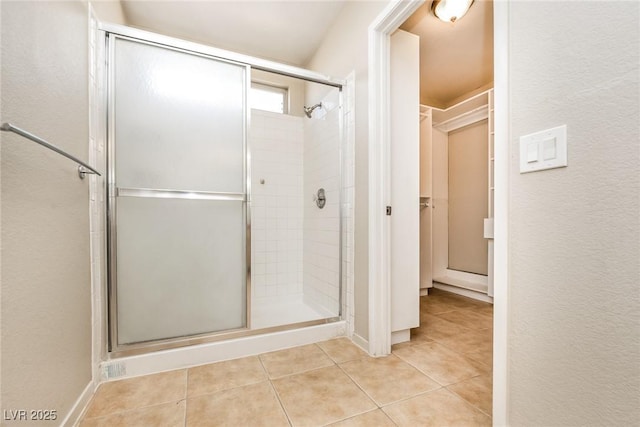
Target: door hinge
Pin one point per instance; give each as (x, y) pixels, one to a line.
(389, 210)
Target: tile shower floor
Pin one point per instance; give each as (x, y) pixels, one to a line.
(442, 377)
(276, 311)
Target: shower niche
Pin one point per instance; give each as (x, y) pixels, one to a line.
(214, 230)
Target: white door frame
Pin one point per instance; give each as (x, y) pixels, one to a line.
(380, 31)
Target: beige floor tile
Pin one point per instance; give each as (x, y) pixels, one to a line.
(419, 335)
(484, 357)
(450, 347)
(463, 303)
(388, 379)
(321, 396)
(441, 364)
(430, 305)
(437, 408)
(165, 415)
(470, 341)
(468, 318)
(342, 350)
(458, 301)
(437, 329)
(224, 375)
(484, 308)
(251, 405)
(477, 391)
(294, 360)
(118, 396)
(375, 418)
(416, 338)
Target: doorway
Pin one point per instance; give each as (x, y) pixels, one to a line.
(456, 149)
(379, 289)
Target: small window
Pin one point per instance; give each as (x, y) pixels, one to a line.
(269, 98)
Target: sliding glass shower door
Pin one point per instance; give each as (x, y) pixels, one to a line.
(177, 193)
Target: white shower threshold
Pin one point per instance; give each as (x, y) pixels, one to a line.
(202, 354)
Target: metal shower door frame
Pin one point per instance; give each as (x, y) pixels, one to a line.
(114, 192)
(110, 32)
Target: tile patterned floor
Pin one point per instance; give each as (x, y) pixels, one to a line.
(442, 377)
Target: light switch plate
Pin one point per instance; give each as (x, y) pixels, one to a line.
(549, 146)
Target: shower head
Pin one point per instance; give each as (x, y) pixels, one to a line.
(309, 110)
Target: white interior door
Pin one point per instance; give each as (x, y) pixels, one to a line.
(405, 184)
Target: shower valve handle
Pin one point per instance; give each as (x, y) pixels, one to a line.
(320, 198)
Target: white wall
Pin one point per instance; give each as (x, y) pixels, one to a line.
(109, 11)
(440, 211)
(574, 303)
(468, 197)
(343, 50)
(46, 282)
(426, 190)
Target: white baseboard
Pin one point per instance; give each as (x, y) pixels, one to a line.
(178, 358)
(480, 296)
(398, 337)
(461, 279)
(360, 342)
(424, 291)
(73, 417)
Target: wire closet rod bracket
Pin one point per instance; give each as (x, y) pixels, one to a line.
(83, 168)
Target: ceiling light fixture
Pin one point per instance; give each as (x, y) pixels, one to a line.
(450, 10)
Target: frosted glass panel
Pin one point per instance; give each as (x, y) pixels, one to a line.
(179, 120)
(181, 267)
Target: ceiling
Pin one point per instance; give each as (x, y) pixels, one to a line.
(283, 31)
(455, 59)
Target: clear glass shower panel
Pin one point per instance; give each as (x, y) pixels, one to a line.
(171, 108)
(184, 267)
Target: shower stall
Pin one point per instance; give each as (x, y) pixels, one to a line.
(221, 220)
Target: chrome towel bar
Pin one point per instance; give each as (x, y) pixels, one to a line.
(83, 168)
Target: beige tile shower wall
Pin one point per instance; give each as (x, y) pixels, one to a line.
(322, 226)
(276, 215)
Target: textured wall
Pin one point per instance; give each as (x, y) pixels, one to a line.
(46, 301)
(574, 332)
